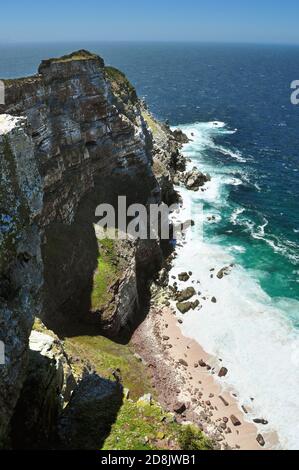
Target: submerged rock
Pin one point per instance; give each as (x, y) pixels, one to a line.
(264, 422)
(223, 272)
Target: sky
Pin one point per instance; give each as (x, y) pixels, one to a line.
(258, 21)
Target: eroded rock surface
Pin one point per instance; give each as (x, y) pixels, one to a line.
(71, 137)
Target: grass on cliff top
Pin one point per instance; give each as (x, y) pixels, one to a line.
(141, 426)
(120, 84)
(20, 81)
(78, 55)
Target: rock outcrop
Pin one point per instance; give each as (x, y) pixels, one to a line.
(87, 419)
(48, 386)
(71, 137)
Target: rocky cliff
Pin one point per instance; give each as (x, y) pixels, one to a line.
(72, 137)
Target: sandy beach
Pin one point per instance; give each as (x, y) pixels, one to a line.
(184, 378)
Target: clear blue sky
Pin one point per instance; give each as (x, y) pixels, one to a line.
(167, 20)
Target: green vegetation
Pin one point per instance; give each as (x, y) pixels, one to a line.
(21, 81)
(105, 356)
(120, 78)
(191, 438)
(152, 123)
(108, 271)
(139, 425)
(78, 55)
(144, 426)
(121, 86)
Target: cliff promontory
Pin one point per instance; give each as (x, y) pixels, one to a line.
(72, 137)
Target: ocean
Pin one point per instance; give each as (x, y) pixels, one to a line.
(234, 103)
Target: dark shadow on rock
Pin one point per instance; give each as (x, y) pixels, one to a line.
(87, 420)
(70, 256)
(35, 418)
(39, 423)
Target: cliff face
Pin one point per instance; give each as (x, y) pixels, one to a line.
(89, 150)
(72, 137)
(20, 257)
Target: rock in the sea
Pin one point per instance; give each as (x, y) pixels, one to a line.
(223, 272)
(184, 277)
(184, 307)
(214, 300)
(223, 372)
(186, 294)
(261, 440)
(264, 422)
(194, 179)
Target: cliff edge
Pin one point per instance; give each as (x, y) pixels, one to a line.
(72, 137)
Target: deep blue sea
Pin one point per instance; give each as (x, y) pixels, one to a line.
(235, 101)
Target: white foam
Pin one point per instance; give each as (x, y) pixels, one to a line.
(245, 328)
(249, 333)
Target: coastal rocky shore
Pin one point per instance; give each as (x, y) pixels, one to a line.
(74, 136)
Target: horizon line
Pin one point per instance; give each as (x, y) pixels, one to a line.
(145, 41)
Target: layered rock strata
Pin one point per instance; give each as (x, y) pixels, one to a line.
(71, 137)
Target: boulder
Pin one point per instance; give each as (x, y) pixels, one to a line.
(223, 272)
(182, 362)
(261, 440)
(179, 408)
(264, 422)
(223, 372)
(186, 294)
(147, 398)
(236, 422)
(194, 179)
(184, 277)
(184, 307)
